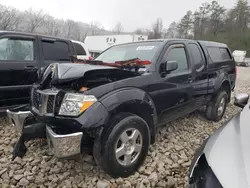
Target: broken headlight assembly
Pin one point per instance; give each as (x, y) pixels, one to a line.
(74, 104)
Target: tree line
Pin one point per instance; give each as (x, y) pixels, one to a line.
(211, 21)
(41, 22)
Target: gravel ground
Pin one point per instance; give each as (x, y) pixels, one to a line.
(166, 165)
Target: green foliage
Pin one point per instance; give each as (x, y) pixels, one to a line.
(213, 22)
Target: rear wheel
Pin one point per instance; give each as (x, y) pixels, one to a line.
(124, 146)
(217, 106)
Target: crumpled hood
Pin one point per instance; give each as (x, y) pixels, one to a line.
(228, 151)
(70, 71)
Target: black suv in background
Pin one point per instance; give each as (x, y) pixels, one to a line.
(114, 104)
(21, 55)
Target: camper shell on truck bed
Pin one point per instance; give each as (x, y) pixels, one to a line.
(114, 104)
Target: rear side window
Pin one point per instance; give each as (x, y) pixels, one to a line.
(219, 54)
(55, 51)
(13, 49)
(215, 54)
(79, 49)
(225, 54)
(196, 56)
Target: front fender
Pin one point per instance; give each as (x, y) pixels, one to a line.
(135, 101)
(100, 113)
(95, 116)
(128, 96)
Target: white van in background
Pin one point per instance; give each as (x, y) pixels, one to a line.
(239, 57)
(81, 50)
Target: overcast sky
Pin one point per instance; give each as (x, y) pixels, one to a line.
(131, 13)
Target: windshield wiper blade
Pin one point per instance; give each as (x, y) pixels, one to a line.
(63, 59)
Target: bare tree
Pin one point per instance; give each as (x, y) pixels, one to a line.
(9, 18)
(69, 26)
(35, 19)
(157, 29)
(118, 28)
(81, 32)
(39, 22)
(95, 28)
(74, 30)
(52, 26)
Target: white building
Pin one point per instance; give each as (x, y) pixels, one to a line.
(97, 44)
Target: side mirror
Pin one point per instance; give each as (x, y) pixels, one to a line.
(241, 100)
(171, 66)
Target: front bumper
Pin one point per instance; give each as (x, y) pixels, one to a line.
(61, 145)
(18, 118)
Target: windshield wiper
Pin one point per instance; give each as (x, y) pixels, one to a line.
(131, 64)
(63, 60)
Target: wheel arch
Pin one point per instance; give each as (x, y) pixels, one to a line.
(133, 101)
(223, 83)
(227, 87)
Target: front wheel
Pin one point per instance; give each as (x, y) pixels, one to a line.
(217, 106)
(124, 146)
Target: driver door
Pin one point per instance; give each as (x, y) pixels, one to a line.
(18, 61)
(176, 98)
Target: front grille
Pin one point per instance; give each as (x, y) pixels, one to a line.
(35, 101)
(43, 101)
(50, 104)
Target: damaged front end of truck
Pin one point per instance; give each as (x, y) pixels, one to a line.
(62, 108)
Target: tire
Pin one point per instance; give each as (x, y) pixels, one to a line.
(214, 112)
(116, 138)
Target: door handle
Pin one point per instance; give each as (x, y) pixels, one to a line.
(190, 79)
(30, 68)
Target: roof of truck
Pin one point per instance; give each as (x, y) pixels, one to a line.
(203, 43)
(211, 43)
(29, 34)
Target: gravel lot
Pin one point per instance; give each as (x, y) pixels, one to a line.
(166, 165)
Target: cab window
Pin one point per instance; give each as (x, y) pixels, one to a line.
(196, 55)
(12, 49)
(177, 53)
(79, 49)
(55, 51)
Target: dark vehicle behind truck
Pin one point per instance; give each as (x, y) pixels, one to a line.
(115, 103)
(21, 55)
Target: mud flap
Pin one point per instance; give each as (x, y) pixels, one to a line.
(30, 132)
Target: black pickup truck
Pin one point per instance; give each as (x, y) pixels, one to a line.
(115, 103)
(21, 55)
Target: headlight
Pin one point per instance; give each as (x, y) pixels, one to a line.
(74, 104)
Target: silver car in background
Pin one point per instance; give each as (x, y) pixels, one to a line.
(224, 158)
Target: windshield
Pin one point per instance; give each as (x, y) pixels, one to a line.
(143, 51)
